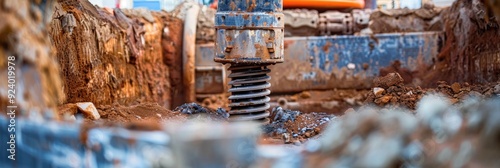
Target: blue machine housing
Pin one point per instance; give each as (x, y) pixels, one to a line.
(249, 32)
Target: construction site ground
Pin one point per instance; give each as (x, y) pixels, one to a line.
(128, 63)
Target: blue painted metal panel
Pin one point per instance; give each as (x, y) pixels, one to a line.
(249, 32)
(377, 51)
(346, 62)
(149, 4)
(53, 144)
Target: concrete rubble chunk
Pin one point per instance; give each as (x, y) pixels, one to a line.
(378, 91)
(89, 110)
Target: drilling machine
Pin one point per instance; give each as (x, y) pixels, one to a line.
(249, 37)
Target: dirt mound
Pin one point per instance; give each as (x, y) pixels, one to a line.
(293, 126)
(470, 53)
(143, 111)
(391, 91)
(439, 134)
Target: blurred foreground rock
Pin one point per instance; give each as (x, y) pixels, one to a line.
(24, 35)
(438, 135)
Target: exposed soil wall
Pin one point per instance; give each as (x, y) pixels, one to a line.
(472, 49)
(27, 58)
(112, 56)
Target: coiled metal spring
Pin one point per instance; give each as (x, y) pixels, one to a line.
(249, 93)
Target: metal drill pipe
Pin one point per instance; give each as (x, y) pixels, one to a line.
(250, 38)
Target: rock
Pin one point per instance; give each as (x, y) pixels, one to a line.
(456, 87)
(279, 114)
(222, 112)
(383, 100)
(89, 111)
(286, 138)
(389, 80)
(377, 91)
(350, 110)
(350, 101)
(192, 108)
(497, 89)
(297, 143)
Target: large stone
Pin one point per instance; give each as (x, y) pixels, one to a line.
(89, 110)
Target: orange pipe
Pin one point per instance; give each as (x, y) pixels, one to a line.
(324, 4)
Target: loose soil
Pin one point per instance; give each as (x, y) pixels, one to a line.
(390, 91)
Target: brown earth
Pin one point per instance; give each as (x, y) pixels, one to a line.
(470, 53)
(390, 91)
(26, 51)
(330, 101)
(111, 56)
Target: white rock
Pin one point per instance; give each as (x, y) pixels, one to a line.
(497, 89)
(378, 91)
(351, 66)
(89, 110)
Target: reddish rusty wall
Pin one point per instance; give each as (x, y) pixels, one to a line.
(472, 49)
(114, 56)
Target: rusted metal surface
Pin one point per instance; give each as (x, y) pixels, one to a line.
(301, 22)
(322, 63)
(249, 37)
(210, 80)
(312, 23)
(335, 22)
(210, 75)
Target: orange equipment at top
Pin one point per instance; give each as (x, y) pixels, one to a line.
(324, 4)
